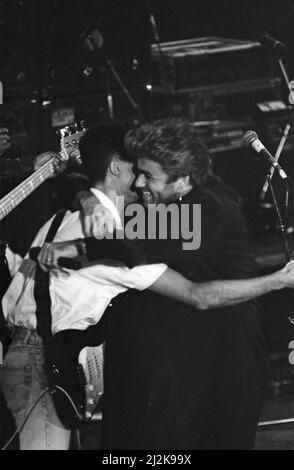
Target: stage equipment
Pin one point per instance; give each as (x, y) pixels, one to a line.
(208, 61)
(93, 42)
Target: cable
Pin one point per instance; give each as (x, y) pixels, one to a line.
(42, 394)
(70, 400)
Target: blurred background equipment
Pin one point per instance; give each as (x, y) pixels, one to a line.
(209, 61)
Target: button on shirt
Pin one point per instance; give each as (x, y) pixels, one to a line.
(78, 298)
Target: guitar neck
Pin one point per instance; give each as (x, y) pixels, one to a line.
(26, 187)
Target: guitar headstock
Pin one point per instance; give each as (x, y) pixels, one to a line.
(69, 141)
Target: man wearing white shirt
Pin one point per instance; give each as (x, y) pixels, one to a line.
(78, 298)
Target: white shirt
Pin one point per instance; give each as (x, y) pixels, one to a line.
(14, 261)
(78, 298)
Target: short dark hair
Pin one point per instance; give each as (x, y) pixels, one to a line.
(97, 147)
(174, 144)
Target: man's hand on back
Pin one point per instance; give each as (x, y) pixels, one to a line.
(51, 252)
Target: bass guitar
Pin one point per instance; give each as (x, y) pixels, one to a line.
(74, 366)
(70, 137)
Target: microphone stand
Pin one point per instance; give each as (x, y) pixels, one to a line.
(277, 157)
(288, 125)
(286, 78)
(164, 66)
(119, 80)
(94, 44)
(284, 136)
(283, 228)
(282, 224)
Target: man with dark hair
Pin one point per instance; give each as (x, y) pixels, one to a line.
(77, 300)
(175, 151)
(176, 378)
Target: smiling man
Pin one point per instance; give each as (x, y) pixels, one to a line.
(188, 380)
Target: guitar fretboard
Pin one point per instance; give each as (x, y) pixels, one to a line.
(26, 187)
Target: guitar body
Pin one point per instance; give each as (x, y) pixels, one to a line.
(74, 363)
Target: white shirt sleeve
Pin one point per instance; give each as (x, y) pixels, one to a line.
(115, 275)
(140, 277)
(14, 261)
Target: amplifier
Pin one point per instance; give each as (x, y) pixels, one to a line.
(191, 63)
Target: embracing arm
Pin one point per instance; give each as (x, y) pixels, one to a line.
(213, 294)
(203, 296)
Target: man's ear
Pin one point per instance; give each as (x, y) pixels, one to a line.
(115, 167)
(181, 184)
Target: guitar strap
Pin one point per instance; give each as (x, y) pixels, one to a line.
(41, 289)
(5, 281)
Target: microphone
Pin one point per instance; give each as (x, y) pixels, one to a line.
(273, 43)
(67, 263)
(250, 139)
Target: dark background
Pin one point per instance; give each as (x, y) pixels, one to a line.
(40, 41)
(44, 64)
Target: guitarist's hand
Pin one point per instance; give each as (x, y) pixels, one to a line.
(4, 140)
(40, 160)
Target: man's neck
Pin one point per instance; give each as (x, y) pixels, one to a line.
(107, 190)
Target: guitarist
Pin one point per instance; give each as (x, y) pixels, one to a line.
(78, 299)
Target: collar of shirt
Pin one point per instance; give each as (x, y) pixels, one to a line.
(107, 202)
